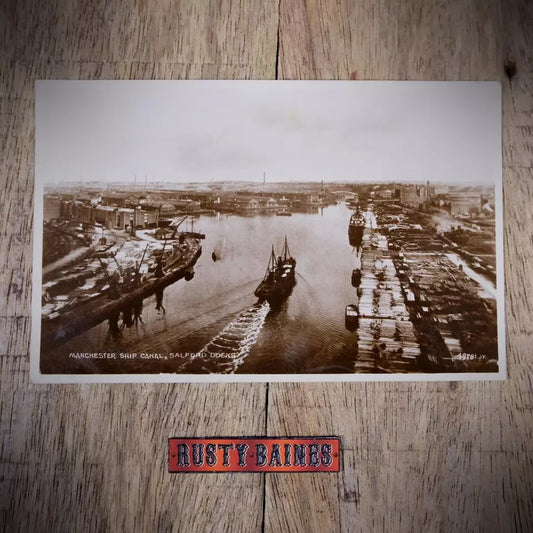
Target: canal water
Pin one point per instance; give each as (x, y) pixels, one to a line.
(216, 312)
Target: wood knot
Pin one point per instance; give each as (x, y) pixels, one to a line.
(509, 66)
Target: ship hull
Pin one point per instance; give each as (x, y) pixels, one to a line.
(274, 294)
(279, 279)
(351, 317)
(355, 235)
(356, 277)
(88, 314)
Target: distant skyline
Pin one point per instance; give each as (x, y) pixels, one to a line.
(139, 185)
(202, 131)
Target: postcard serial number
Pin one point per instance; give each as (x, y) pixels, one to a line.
(469, 357)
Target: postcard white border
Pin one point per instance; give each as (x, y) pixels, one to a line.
(37, 377)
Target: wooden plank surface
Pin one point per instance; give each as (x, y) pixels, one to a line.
(432, 456)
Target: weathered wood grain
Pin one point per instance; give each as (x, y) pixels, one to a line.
(434, 456)
(431, 456)
(94, 458)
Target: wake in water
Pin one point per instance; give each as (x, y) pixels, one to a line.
(231, 346)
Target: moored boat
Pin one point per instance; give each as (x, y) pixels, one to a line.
(356, 277)
(84, 313)
(356, 228)
(351, 317)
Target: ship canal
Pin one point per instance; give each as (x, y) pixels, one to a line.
(409, 298)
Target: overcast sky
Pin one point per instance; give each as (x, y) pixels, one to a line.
(211, 130)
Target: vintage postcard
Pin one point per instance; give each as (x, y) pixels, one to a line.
(267, 231)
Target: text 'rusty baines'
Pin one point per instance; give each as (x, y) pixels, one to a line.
(254, 454)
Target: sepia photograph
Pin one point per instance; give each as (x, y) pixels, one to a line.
(263, 231)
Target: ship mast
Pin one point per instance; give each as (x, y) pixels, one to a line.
(286, 251)
(271, 267)
(272, 262)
